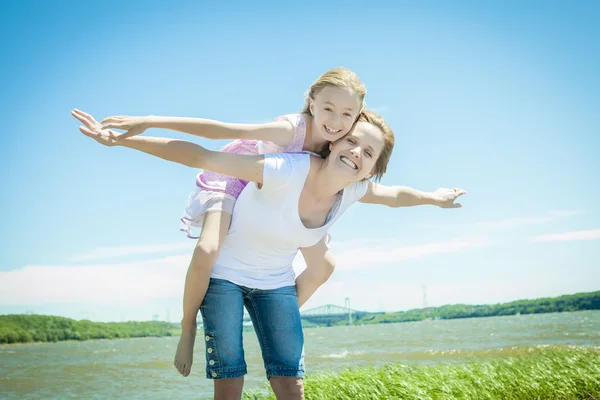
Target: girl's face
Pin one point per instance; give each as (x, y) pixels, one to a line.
(356, 153)
(334, 111)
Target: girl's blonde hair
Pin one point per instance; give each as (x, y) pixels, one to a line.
(337, 77)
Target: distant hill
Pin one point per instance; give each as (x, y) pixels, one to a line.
(17, 328)
(572, 302)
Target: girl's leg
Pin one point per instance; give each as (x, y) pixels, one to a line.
(214, 230)
(320, 264)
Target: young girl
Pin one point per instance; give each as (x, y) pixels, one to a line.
(333, 103)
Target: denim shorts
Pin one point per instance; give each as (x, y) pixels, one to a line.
(276, 319)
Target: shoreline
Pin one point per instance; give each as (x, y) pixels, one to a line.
(176, 333)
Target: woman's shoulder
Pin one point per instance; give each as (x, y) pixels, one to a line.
(293, 161)
(356, 190)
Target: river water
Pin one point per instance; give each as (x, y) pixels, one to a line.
(142, 368)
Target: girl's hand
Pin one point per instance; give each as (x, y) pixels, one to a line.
(133, 125)
(444, 198)
(94, 129)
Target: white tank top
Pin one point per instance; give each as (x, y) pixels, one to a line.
(266, 230)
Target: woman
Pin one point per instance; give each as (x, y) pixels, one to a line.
(296, 199)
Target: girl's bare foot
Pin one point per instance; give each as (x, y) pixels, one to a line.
(185, 348)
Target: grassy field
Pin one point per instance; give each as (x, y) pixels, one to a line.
(535, 373)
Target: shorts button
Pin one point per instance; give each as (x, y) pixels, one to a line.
(212, 362)
(214, 374)
(207, 338)
(209, 350)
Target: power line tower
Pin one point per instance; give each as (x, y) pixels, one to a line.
(347, 305)
(424, 290)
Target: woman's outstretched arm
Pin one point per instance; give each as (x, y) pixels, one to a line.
(246, 167)
(404, 196)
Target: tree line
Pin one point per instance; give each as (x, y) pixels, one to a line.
(574, 302)
(19, 328)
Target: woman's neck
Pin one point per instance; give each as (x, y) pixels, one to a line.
(323, 182)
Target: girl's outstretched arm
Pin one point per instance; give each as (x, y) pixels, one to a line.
(249, 168)
(404, 196)
(278, 132)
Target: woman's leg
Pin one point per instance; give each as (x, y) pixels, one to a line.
(222, 313)
(277, 323)
(287, 387)
(229, 389)
(214, 230)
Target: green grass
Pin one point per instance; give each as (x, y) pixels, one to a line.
(537, 373)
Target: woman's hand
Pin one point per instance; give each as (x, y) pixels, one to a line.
(94, 129)
(445, 198)
(133, 125)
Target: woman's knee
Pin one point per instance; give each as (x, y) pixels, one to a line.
(229, 388)
(287, 387)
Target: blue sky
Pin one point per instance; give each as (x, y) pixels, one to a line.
(499, 98)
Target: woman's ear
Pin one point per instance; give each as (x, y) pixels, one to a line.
(371, 174)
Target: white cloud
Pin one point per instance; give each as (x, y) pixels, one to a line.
(354, 254)
(566, 213)
(352, 258)
(163, 277)
(102, 253)
(514, 222)
(141, 288)
(121, 283)
(592, 234)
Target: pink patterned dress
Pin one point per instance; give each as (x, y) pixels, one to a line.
(219, 192)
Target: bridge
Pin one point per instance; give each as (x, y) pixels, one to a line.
(323, 315)
(330, 314)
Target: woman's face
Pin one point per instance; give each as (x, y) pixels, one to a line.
(356, 153)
